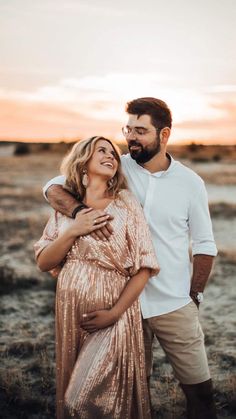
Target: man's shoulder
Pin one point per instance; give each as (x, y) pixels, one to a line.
(125, 158)
(189, 174)
(129, 165)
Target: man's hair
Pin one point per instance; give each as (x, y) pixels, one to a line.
(157, 109)
(74, 164)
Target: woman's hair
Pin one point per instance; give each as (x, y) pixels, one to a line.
(75, 163)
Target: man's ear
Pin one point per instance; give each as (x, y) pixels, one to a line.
(164, 135)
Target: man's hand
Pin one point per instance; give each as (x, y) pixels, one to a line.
(195, 301)
(97, 320)
(104, 232)
(62, 201)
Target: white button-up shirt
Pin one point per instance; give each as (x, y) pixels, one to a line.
(175, 205)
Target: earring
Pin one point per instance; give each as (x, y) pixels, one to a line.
(110, 183)
(85, 179)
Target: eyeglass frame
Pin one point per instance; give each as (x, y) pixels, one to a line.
(135, 130)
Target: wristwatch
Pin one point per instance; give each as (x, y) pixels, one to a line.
(198, 297)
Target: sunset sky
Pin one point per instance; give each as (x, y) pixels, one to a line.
(68, 67)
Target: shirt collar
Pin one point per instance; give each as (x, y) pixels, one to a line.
(161, 172)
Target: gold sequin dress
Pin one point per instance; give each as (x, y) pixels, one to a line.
(101, 375)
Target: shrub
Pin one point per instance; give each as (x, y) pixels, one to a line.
(21, 149)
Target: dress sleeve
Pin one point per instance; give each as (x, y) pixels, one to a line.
(139, 238)
(50, 233)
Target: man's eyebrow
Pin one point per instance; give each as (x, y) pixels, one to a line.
(128, 126)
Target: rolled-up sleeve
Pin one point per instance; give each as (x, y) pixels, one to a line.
(58, 180)
(200, 224)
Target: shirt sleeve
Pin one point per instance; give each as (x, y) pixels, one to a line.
(139, 238)
(58, 180)
(200, 225)
(50, 234)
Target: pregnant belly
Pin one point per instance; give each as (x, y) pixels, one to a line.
(89, 287)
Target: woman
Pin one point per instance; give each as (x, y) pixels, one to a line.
(99, 343)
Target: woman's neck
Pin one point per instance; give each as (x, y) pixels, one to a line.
(96, 191)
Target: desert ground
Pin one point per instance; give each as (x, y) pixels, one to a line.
(27, 365)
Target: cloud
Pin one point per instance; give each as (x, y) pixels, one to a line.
(216, 130)
(27, 120)
(62, 6)
(88, 105)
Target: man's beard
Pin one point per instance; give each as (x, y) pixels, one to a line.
(143, 155)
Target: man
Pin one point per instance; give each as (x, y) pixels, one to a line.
(175, 204)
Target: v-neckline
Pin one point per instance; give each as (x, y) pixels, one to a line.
(106, 207)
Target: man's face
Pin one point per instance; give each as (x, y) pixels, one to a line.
(142, 138)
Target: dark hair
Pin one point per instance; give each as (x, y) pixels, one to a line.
(157, 109)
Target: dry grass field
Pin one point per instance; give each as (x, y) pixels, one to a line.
(27, 384)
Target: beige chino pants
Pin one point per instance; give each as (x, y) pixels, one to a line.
(182, 339)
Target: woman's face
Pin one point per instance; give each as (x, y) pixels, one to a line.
(103, 161)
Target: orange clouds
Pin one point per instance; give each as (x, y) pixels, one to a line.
(79, 108)
(220, 130)
(24, 120)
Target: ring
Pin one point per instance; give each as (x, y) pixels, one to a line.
(94, 222)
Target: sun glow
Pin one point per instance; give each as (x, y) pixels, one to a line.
(73, 78)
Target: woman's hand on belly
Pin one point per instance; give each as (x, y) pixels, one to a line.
(98, 320)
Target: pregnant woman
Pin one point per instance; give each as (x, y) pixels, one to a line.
(99, 341)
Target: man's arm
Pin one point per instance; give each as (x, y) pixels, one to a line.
(61, 200)
(203, 244)
(202, 265)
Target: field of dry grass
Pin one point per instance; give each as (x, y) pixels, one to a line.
(27, 384)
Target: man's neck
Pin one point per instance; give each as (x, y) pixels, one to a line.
(158, 163)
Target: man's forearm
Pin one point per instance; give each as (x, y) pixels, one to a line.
(202, 265)
(61, 200)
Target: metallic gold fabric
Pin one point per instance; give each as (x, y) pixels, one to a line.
(101, 375)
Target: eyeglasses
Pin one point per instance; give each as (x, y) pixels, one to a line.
(140, 131)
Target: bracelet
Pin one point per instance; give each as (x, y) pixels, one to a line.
(78, 209)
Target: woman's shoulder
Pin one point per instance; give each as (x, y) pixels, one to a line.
(58, 219)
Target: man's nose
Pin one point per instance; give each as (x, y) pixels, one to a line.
(131, 136)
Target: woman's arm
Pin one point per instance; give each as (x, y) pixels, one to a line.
(104, 318)
(54, 253)
(87, 221)
(61, 200)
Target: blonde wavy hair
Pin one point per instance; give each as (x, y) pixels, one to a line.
(74, 164)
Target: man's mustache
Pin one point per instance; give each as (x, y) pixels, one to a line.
(134, 143)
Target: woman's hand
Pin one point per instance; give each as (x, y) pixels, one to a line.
(98, 320)
(87, 221)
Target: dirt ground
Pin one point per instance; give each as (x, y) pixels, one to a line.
(27, 385)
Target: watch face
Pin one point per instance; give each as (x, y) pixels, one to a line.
(199, 297)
